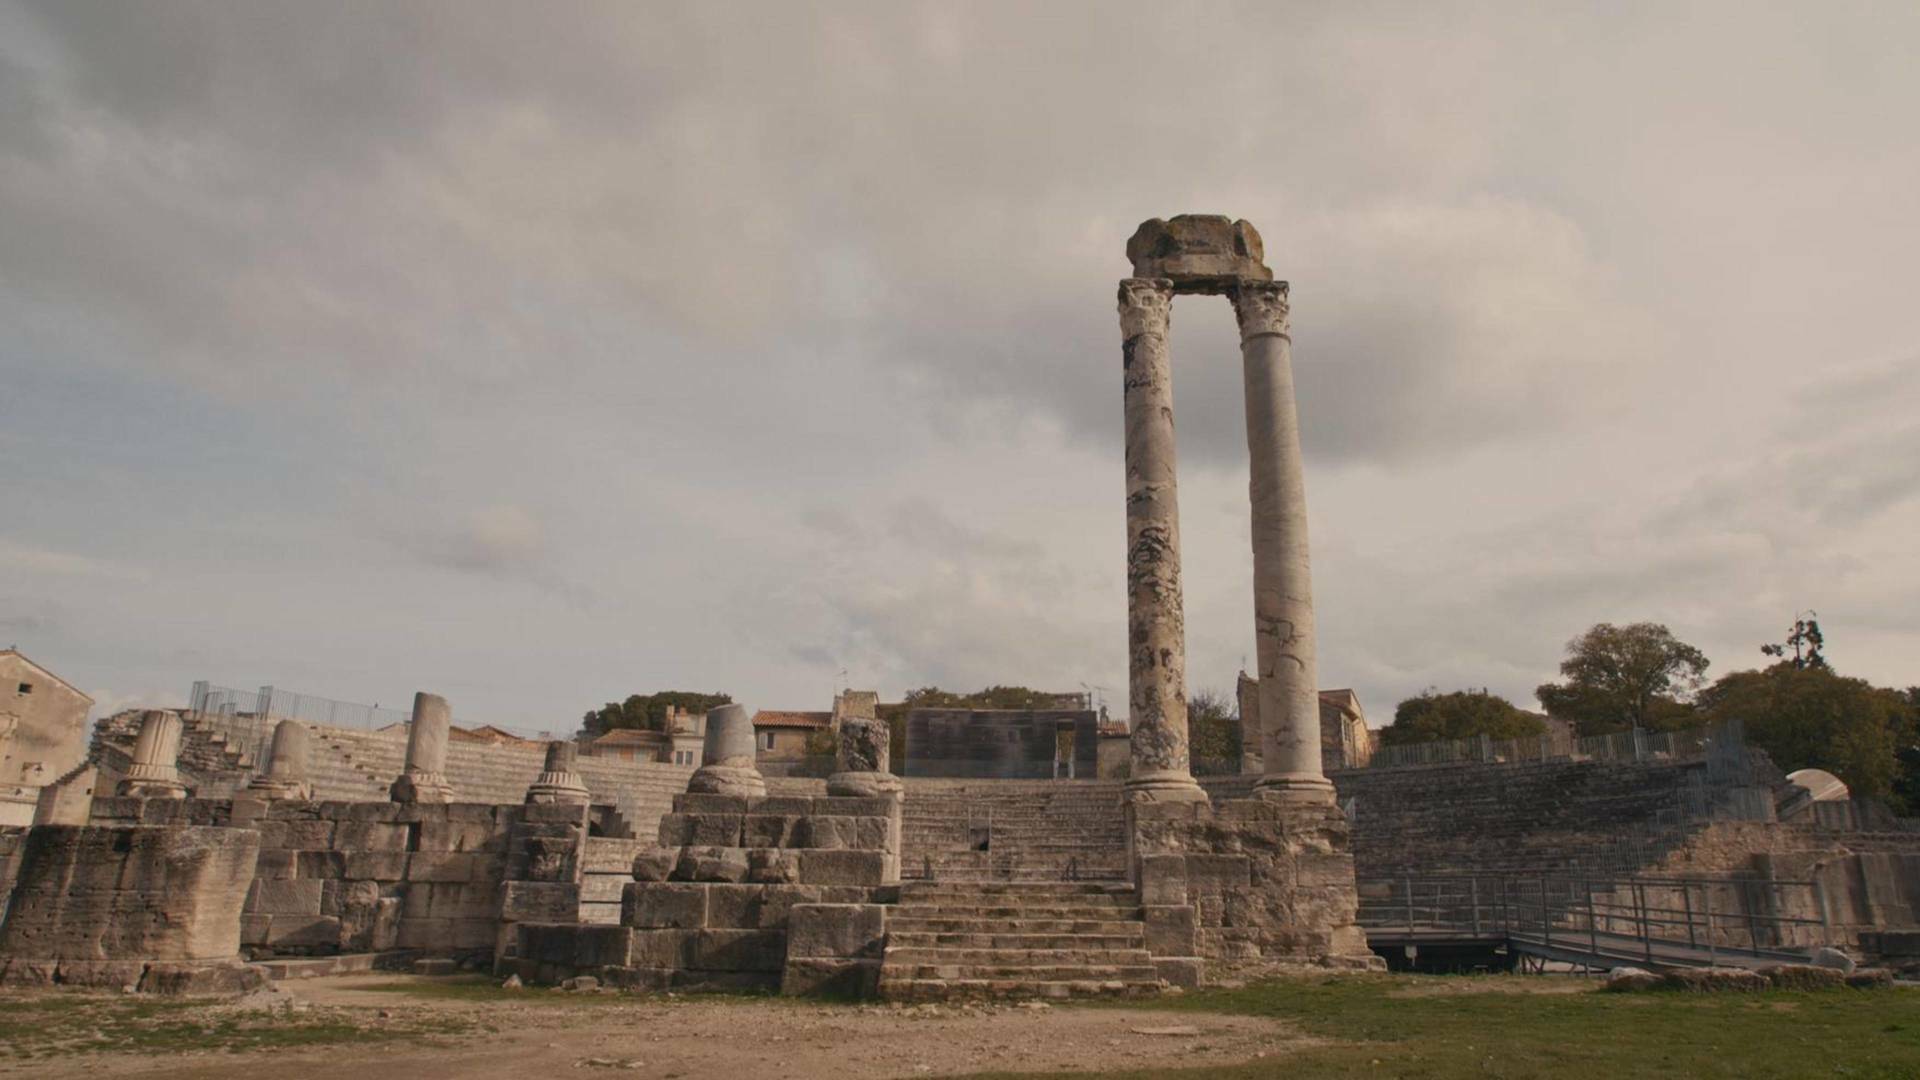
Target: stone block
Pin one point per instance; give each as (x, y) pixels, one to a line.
(342, 896)
(821, 977)
(289, 931)
(539, 901)
(661, 949)
(770, 830)
(773, 866)
(664, 906)
(297, 897)
(554, 814)
(460, 836)
(329, 864)
(369, 865)
(695, 803)
(837, 931)
(1182, 971)
(102, 974)
(711, 864)
(1218, 873)
(374, 811)
(604, 946)
(430, 935)
(274, 865)
(295, 835)
(756, 907)
(450, 900)
(701, 829)
(843, 867)
(740, 950)
(1163, 879)
(781, 805)
(845, 831)
(1172, 930)
(447, 866)
(655, 864)
(855, 806)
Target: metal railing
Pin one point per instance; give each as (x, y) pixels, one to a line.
(1605, 920)
(1637, 745)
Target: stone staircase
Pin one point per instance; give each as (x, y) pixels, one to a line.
(1015, 939)
(606, 868)
(216, 757)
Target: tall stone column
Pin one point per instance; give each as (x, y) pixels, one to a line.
(1282, 580)
(424, 780)
(558, 783)
(727, 763)
(155, 772)
(1156, 620)
(286, 775)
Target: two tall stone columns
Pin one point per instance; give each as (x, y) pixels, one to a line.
(1156, 619)
(1282, 580)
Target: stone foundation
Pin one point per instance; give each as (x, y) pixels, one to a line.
(782, 893)
(1247, 879)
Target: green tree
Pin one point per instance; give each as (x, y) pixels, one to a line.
(1462, 714)
(647, 712)
(1806, 641)
(1812, 718)
(1621, 677)
(1213, 731)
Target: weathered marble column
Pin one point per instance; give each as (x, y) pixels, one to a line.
(727, 765)
(424, 780)
(1156, 620)
(286, 775)
(1282, 581)
(155, 772)
(558, 783)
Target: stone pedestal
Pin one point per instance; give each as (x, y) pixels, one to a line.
(727, 765)
(558, 783)
(862, 760)
(286, 775)
(1156, 620)
(424, 779)
(1249, 879)
(155, 773)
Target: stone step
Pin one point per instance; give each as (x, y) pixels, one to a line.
(921, 924)
(1133, 973)
(1033, 890)
(1133, 956)
(604, 888)
(918, 939)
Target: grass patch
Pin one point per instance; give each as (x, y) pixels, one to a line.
(64, 1023)
(1403, 1026)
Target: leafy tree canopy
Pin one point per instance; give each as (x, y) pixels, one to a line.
(1808, 717)
(1620, 677)
(647, 712)
(993, 697)
(1462, 714)
(1213, 731)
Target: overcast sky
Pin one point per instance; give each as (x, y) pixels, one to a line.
(539, 355)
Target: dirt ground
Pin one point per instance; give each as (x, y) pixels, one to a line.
(699, 1037)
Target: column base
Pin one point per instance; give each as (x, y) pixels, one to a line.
(153, 789)
(1294, 788)
(1168, 787)
(421, 787)
(864, 785)
(542, 793)
(735, 780)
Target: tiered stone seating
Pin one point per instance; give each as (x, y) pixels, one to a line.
(1033, 830)
(1003, 939)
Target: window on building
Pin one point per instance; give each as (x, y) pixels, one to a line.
(26, 688)
(766, 740)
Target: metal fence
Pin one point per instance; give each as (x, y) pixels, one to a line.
(1656, 920)
(1635, 745)
(270, 702)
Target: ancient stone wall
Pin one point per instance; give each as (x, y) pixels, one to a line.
(1248, 879)
(337, 877)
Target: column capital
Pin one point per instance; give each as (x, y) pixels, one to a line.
(1262, 308)
(1146, 306)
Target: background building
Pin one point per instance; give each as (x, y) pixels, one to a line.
(43, 733)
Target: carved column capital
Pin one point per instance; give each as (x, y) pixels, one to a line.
(1261, 307)
(1146, 306)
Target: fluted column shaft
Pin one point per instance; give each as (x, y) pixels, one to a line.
(1282, 579)
(1156, 620)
